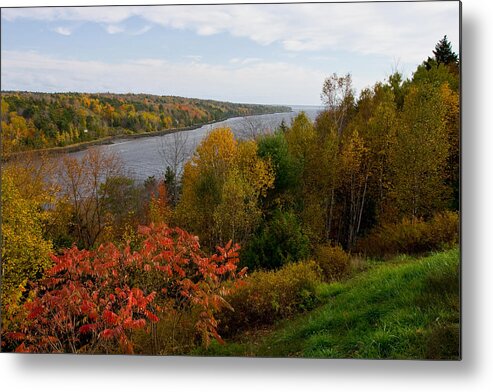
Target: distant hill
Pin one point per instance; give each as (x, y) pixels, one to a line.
(32, 120)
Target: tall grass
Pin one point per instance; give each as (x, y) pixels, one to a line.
(404, 309)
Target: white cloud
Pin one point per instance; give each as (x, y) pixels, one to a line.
(245, 61)
(114, 29)
(260, 82)
(63, 31)
(141, 31)
(402, 30)
(148, 62)
(108, 15)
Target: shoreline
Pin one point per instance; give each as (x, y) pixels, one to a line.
(110, 139)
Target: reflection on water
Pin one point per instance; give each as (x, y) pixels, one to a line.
(143, 157)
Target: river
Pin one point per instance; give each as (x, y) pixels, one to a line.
(146, 156)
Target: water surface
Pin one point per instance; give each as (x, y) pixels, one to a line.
(145, 157)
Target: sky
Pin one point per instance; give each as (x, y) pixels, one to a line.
(255, 53)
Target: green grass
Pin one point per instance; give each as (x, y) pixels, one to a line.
(406, 308)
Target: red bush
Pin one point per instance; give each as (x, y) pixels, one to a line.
(91, 301)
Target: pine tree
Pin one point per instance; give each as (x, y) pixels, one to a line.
(443, 52)
(172, 185)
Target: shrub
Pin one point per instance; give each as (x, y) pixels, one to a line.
(94, 301)
(412, 236)
(267, 296)
(442, 230)
(333, 261)
(279, 242)
(173, 334)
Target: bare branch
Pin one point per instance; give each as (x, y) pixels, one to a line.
(175, 149)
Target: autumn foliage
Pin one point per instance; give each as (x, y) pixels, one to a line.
(39, 120)
(268, 296)
(223, 183)
(92, 301)
(375, 175)
(412, 236)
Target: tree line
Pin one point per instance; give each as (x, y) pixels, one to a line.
(390, 154)
(33, 120)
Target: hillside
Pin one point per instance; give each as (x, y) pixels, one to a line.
(42, 120)
(407, 308)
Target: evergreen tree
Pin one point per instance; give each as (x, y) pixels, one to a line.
(443, 54)
(171, 183)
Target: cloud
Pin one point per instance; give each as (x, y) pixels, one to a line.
(63, 31)
(109, 15)
(391, 29)
(260, 82)
(241, 61)
(114, 29)
(141, 31)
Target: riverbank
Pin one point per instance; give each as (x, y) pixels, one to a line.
(106, 140)
(110, 139)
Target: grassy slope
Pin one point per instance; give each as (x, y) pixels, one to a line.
(407, 308)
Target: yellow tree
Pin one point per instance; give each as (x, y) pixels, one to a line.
(14, 130)
(301, 138)
(420, 154)
(347, 178)
(258, 173)
(238, 213)
(355, 172)
(203, 177)
(249, 178)
(222, 184)
(376, 123)
(381, 139)
(25, 249)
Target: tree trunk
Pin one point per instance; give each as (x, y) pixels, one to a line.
(362, 205)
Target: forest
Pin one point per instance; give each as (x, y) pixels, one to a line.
(347, 226)
(43, 120)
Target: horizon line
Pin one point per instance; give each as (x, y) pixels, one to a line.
(158, 95)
